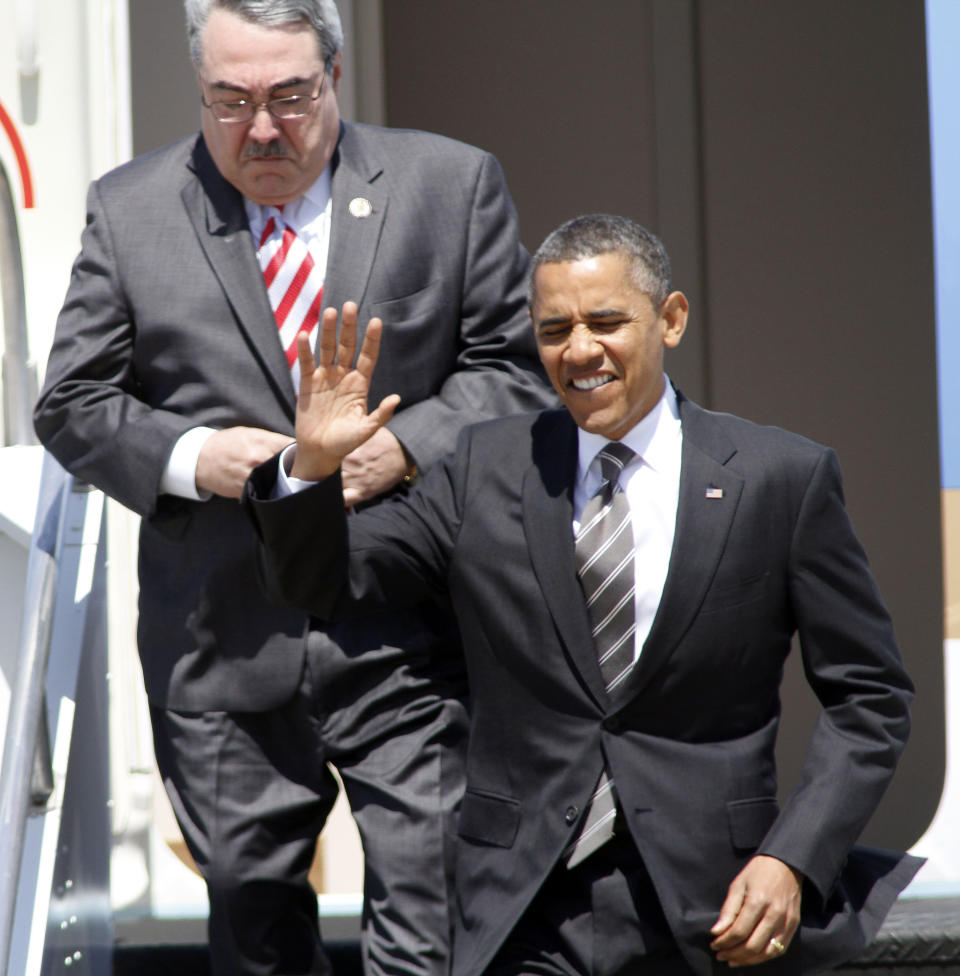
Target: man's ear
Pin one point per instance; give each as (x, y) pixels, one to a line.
(337, 72)
(673, 314)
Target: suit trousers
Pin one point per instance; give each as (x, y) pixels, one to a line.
(600, 918)
(252, 791)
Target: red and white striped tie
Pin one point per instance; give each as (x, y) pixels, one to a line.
(294, 284)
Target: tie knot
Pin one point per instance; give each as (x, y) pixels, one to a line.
(613, 459)
(274, 226)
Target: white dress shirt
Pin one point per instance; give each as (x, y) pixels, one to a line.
(651, 482)
(309, 217)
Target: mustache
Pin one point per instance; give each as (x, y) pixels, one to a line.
(271, 150)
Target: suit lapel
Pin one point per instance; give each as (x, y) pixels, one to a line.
(709, 495)
(358, 207)
(547, 519)
(216, 211)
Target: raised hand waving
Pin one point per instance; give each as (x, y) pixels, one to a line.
(332, 418)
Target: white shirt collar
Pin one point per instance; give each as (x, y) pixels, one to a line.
(650, 439)
(298, 214)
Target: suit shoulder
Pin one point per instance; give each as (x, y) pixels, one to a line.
(769, 437)
(168, 164)
(411, 143)
(500, 429)
(756, 451)
(517, 430)
(514, 439)
(747, 435)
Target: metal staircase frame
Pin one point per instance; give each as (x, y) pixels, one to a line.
(55, 827)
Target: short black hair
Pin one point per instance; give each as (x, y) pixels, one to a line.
(591, 235)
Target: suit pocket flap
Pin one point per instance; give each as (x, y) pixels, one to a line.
(750, 820)
(489, 818)
(410, 305)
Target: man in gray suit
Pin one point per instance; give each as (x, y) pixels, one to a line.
(627, 573)
(172, 375)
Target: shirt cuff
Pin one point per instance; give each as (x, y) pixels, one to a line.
(180, 475)
(286, 484)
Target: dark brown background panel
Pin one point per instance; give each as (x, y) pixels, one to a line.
(560, 91)
(164, 91)
(819, 272)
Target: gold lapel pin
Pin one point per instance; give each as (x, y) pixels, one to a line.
(360, 207)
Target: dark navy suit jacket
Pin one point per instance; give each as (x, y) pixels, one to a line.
(763, 549)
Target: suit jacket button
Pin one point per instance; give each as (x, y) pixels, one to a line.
(572, 814)
(613, 724)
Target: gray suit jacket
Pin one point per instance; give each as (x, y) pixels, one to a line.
(768, 553)
(167, 325)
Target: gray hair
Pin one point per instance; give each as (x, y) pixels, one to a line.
(321, 15)
(591, 235)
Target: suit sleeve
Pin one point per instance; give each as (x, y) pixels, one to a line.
(497, 370)
(315, 558)
(89, 414)
(851, 660)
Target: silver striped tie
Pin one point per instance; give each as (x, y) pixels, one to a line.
(604, 551)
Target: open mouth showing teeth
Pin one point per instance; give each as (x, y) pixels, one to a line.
(592, 383)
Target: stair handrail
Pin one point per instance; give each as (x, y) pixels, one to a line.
(27, 711)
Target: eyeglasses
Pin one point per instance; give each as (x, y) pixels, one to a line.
(282, 109)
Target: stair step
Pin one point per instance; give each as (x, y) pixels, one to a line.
(191, 960)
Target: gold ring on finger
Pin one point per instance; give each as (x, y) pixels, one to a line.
(777, 946)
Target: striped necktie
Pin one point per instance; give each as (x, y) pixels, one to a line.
(605, 555)
(294, 285)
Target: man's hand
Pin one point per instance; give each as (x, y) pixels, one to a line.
(228, 456)
(760, 914)
(373, 468)
(332, 418)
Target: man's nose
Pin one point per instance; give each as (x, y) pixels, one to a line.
(263, 126)
(583, 346)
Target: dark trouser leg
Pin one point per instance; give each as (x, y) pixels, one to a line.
(404, 797)
(601, 918)
(394, 724)
(251, 793)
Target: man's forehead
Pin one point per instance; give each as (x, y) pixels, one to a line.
(293, 81)
(609, 264)
(559, 281)
(236, 51)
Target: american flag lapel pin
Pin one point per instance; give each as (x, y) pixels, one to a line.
(714, 492)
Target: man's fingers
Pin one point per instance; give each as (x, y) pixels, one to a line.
(305, 358)
(752, 945)
(328, 340)
(347, 345)
(753, 923)
(730, 908)
(340, 350)
(765, 901)
(370, 350)
(755, 951)
(270, 442)
(386, 408)
(228, 456)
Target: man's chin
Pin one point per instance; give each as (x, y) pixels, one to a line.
(271, 189)
(601, 424)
